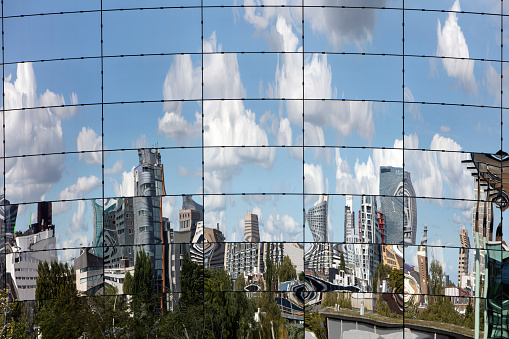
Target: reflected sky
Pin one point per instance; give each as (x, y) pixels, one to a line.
(350, 73)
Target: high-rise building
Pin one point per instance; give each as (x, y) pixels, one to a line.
(317, 219)
(190, 214)
(463, 254)
(350, 235)
(248, 258)
(105, 233)
(124, 222)
(368, 250)
(398, 204)
(189, 204)
(422, 259)
(8, 215)
(208, 247)
(481, 221)
(349, 218)
(26, 251)
(251, 228)
(148, 191)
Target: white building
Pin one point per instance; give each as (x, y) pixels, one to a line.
(23, 258)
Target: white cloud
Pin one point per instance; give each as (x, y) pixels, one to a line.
(345, 117)
(279, 227)
(117, 167)
(174, 126)
(183, 81)
(412, 108)
(314, 137)
(78, 218)
(455, 173)
(83, 186)
(345, 26)
(313, 182)
(214, 184)
(126, 188)
(229, 122)
(33, 132)
(141, 142)
(445, 129)
(284, 136)
(261, 17)
(88, 140)
(451, 43)
(170, 210)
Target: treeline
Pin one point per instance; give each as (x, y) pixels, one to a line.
(210, 305)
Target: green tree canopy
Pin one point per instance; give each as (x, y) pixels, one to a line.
(286, 270)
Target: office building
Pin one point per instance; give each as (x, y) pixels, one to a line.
(26, 251)
(8, 215)
(463, 254)
(190, 214)
(148, 223)
(399, 206)
(251, 228)
(349, 218)
(368, 250)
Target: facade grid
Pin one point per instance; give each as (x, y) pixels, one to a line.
(156, 156)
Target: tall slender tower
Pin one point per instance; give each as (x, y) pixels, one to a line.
(251, 228)
(422, 259)
(399, 206)
(463, 254)
(317, 219)
(149, 187)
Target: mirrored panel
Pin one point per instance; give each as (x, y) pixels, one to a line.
(431, 34)
(49, 37)
(152, 172)
(240, 170)
(150, 31)
(256, 217)
(353, 171)
(146, 78)
(377, 77)
(453, 127)
(50, 177)
(351, 123)
(353, 27)
(170, 124)
(451, 81)
(243, 29)
(250, 123)
(27, 7)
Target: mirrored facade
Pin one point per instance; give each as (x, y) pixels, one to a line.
(254, 169)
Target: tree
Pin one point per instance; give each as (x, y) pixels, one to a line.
(240, 283)
(313, 323)
(270, 270)
(143, 302)
(382, 271)
(436, 273)
(286, 270)
(342, 264)
(396, 281)
(59, 305)
(191, 281)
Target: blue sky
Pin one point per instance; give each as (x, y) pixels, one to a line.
(362, 120)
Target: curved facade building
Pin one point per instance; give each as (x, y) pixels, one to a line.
(399, 206)
(148, 189)
(317, 219)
